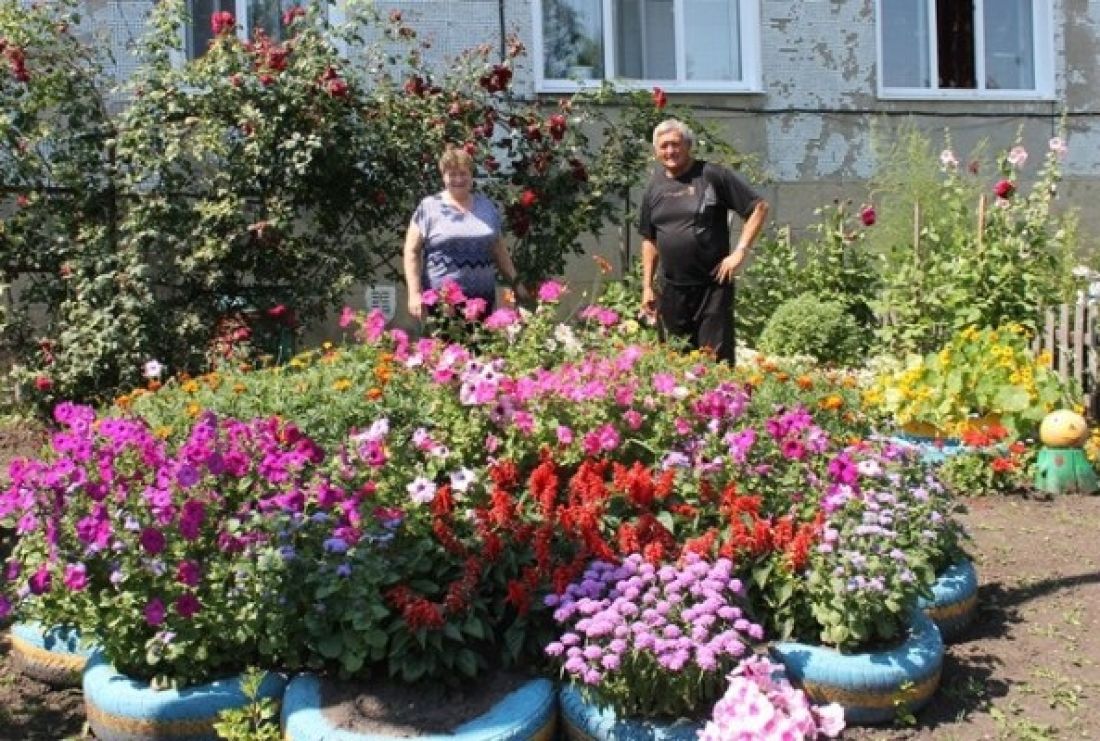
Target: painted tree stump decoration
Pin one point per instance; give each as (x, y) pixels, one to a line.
(1062, 466)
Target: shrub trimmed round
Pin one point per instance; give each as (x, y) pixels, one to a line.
(954, 600)
(55, 656)
(585, 721)
(529, 712)
(120, 708)
(874, 685)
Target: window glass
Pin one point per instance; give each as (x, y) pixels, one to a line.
(905, 44)
(645, 48)
(955, 44)
(572, 39)
(712, 39)
(267, 15)
(1009, 45)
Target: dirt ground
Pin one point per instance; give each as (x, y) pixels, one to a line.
(1029, 668)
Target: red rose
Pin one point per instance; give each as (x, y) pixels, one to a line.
(490, 164)
(414, 86)
(659, 98)
(337, 88)
(22, 201)
(471, 148)
(529, 198)
(43, 383)
(266, 80)
(557, 127)
(867, 215)
(1004, 189)
(277, 312)
(533, 133)
(292, 14)
(275, 58)
(580, 172)
(222, 22)
(497, 80)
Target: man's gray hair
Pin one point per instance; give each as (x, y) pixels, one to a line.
(673, 124)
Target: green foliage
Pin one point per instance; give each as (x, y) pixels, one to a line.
(977, 373)
(256, 721)
(821, 329)
(989, 470)
(835, 265)
(956, 253)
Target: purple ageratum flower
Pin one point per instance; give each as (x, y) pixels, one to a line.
(335, 545)
(155, 612)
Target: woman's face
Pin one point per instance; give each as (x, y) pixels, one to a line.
(457, 180)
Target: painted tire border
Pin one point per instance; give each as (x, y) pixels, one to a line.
(583, 721)
(120, 708)
(53, 656)
(869, 685)
(529, 712)
(954, 600)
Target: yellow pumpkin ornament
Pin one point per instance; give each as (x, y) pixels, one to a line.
(1063, 428)
(1061, 466)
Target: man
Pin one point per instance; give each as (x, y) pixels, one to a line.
(685, 228)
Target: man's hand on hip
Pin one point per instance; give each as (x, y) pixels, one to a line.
(729, 266)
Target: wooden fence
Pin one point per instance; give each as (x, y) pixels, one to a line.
(1071, 332)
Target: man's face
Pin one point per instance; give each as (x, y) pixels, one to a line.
(672, 152)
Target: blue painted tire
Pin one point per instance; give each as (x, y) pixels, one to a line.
(954, 600)
(932, 451)
(583, 721)
(55, 656)
(871, 686)
(528, 713)
(123, 709)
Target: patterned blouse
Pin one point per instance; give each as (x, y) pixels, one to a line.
(459, 244)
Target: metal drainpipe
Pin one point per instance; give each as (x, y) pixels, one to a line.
(503, 34)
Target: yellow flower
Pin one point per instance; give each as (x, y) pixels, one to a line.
(191, 386)
(163, 432)
(341, 384)
(193, 410)
(239, 388)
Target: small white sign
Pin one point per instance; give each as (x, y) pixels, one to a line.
(382, 296)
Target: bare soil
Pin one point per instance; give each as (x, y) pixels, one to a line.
(1029, 667)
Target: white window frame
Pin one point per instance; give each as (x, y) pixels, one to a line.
(749, 23)
(1042, 44)
(336, 16)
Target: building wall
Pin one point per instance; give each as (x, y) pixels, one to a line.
(811, 126)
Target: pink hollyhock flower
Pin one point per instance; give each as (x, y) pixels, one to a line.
(1017, 156)
(347, 316)
(1004, 189)
(948, 159)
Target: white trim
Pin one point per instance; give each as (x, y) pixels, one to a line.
(1042, 24)
(750, 41)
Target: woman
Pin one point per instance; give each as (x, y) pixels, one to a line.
(456, 235)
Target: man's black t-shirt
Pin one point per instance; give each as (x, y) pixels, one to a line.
(688, 218)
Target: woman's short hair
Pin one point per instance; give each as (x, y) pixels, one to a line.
(456, 158)
(673, 124)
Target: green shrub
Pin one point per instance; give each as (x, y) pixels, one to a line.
(808, 325)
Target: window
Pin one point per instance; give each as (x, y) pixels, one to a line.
(249, 14)
(691, 45)
(965, 48)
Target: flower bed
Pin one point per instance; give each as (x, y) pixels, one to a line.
(416, 516)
